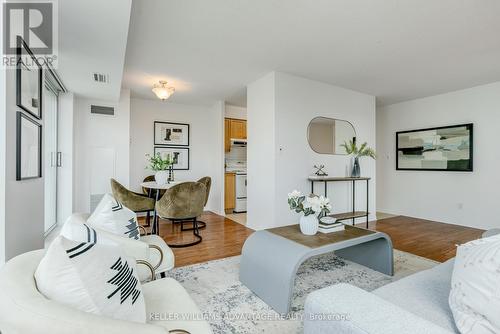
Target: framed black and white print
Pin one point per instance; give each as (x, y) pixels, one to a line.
(446, 148)
(28, 81)
(28, 148)
(171, 134)
(180, 155)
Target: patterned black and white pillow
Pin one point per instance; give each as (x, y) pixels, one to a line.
(92, 277)
(77, 230)
(112, 216)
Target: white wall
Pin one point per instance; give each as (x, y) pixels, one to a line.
(3, 129)
(261, 153)
(280, 107)
(101, 148)
(206, 142)
(216, 199)
(235, 112)
(298, 101)
(24, 200)
(464, 198)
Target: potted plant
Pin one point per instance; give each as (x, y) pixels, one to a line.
(160, 166)
(357, 152)
(312, 208)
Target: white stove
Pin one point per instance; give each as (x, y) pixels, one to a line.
(237, 171)
(240, 168)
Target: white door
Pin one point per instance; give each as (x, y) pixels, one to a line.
(51, 158)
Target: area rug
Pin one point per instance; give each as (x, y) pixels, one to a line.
(230, 307)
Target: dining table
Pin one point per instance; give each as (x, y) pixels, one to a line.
(154, 190)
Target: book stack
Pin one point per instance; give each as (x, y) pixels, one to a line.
(329, 225)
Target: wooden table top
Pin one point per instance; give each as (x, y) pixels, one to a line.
(154, 185)
(292, 232)
(336, 178)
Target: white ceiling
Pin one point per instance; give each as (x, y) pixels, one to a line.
(93, 38)
(394, 49)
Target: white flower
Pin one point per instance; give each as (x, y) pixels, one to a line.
(316, 208)
(306, 204)
(294, 194)
(323, 200)
(313, 203)
(317, 204)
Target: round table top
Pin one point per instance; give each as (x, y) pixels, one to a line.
(154, 185)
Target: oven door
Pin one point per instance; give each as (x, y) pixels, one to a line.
(241, 186)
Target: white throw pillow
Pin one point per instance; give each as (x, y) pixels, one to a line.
(110, 215)
(91, 277)
(475, 287)
(79, 231)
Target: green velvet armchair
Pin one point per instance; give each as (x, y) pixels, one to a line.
(132, 200)
(183, 203)
(207, 181)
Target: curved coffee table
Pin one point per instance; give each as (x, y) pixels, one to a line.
(270, 258)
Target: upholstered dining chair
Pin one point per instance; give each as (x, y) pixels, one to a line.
(207, 181)
(132, 200)
(183, 203)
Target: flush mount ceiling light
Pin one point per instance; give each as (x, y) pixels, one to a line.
(163, 91)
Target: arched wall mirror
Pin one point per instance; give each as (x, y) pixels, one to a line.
(326, 135)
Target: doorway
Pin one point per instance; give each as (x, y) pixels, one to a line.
(235, 163)
(52, 157)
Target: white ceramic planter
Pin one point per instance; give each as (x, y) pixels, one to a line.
(161, 177)
(309, 224)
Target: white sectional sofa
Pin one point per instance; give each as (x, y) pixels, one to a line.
(416, 304)
(24, 310)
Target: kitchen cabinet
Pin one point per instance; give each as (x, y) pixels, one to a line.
(227, 135)
(233, 129)
(238, 129)
(229, 191)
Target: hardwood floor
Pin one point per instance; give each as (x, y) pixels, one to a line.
(429, 239)
(224, 238)
(221, 238)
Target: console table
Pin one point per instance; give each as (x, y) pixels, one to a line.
(350, 214)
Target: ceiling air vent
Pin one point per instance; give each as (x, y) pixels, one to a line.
(101, 110)
(101, 78)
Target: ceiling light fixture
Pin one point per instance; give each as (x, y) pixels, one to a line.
(163, 91)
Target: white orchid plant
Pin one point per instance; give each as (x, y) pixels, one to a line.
(317, 205)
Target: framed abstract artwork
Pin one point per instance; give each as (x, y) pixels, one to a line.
(171, 134)
(28, 80)
(446, 148)
(180, 155)
(29, 148)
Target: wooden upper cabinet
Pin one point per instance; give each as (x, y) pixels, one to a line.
(234, 128)
(227, 135)
(238, 129)
(245, 130)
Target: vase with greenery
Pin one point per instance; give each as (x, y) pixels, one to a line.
(312, 208)
(160, 166)
(356, 152)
